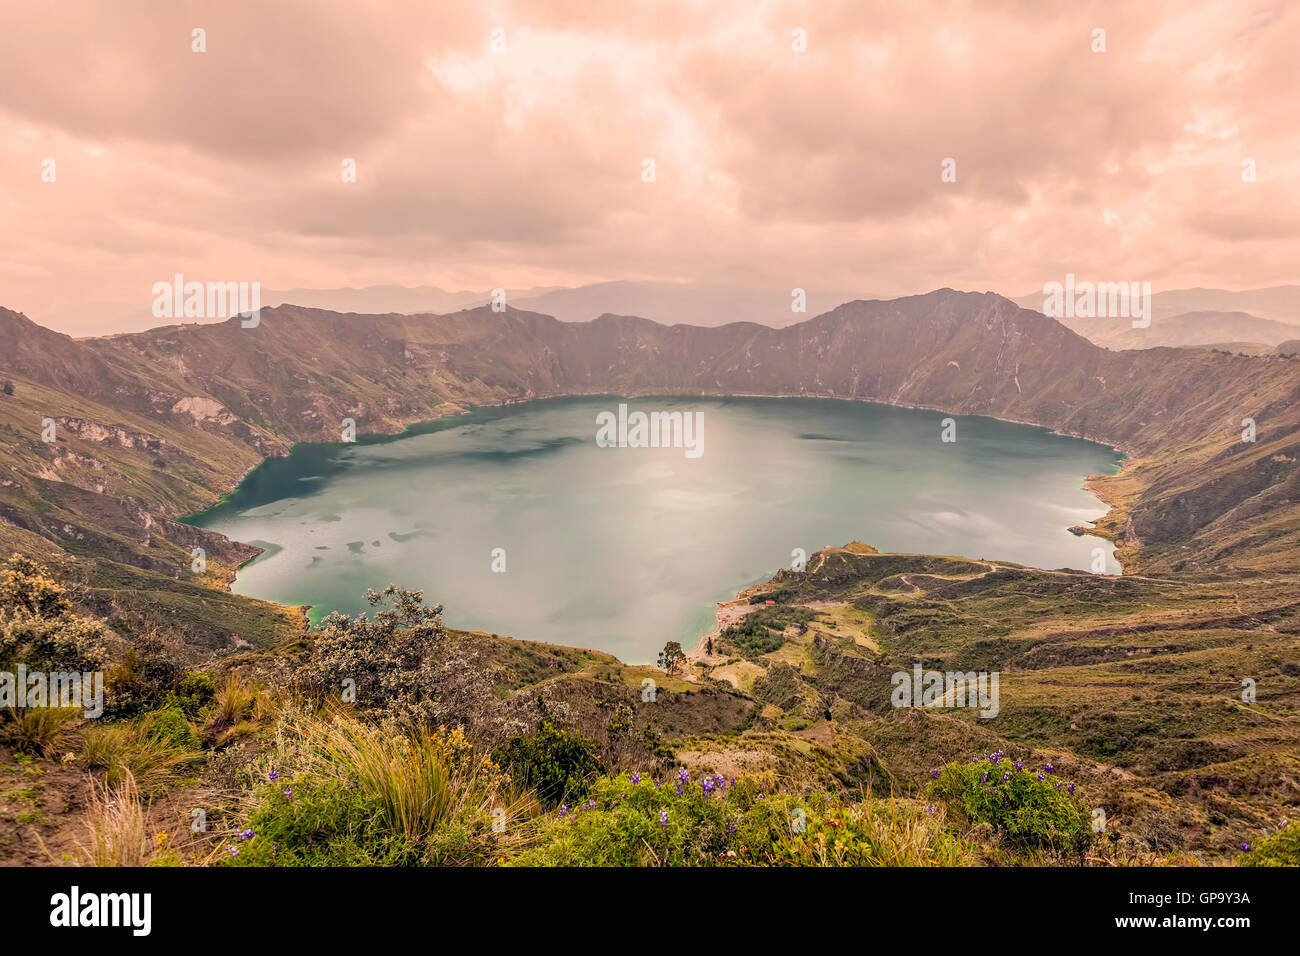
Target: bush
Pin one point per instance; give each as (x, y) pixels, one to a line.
(233, 701)
(37, 626)
(170, 726)
(402, 663)
(1033, 809)
(760, 632)
(142, 680)
(1281, 849)
(37, 730)
(28, 586)
(127, 750)
(308, 821)
(193, 693)
(365, 795)
(629, 821)
(556, 762)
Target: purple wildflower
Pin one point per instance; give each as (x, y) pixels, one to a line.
(636, 778)
(564, 811)
(288, 793)
(663, 817)
(273, 776)
(233, 850)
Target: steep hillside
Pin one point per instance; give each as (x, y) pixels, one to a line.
(1135, 679)
(169, 419)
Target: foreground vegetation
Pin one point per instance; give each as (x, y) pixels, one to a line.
(389, 739)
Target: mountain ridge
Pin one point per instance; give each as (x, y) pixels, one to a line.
(210, 401)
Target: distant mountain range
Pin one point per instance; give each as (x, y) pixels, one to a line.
(669, 303)
(1222, 317)
(1251, 321)
(1234, 331)
(1280, 303)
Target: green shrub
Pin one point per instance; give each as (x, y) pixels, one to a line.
(556, 762)
(760, 632)
(1033, 809)
(1281, 849)
(170, 726)
(310, 821)
(193, 693)
(627, 821)
(126, 750)
(142, 680)
(348, 793)
(37, 730)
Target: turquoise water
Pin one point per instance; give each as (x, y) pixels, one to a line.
(623, 548)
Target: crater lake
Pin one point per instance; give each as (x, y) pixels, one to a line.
(625, 548)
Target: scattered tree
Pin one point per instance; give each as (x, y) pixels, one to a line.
(671, 657)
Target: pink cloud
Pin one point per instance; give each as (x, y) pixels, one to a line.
(522, 167)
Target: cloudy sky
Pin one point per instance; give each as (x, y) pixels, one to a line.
(503, 144)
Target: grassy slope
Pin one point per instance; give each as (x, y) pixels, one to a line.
(1134, 682)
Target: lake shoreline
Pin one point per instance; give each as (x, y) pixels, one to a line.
(766, 411)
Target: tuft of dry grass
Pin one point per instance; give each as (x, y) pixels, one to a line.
(117, 832)
(431, 788)
(416, 776)
(38, 730)
(234, 701)
(126, 751)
